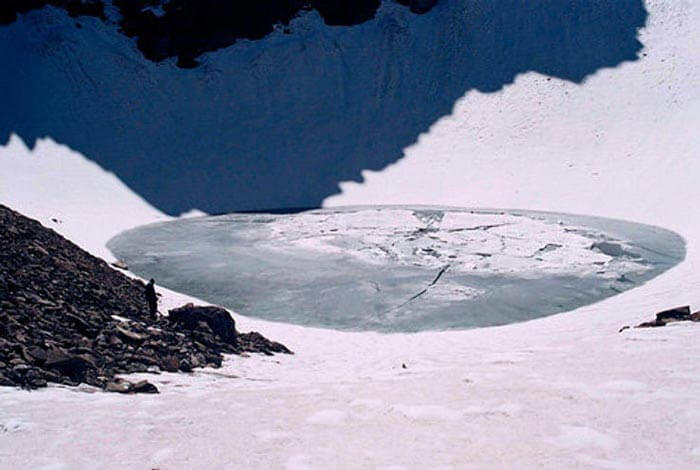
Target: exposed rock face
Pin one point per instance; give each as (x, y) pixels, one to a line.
(255, 342)
(10, 8)
(676, 314)
(67, 317)
(124, 386)
(187, 28)
(216, 320)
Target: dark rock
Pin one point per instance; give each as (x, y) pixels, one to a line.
(36, 354)
(213, 360)
(131, 336)
(81, 326)
(10, 8)
(695, 316)
(218, 320)
(26, 376)
(255, 342)
(5, 382)
(185, 366)
(20, 369)
(119, 386)
(144, 386)
(189, 28)
(74, 367)
(669, 316)
(67, 317)
(674, 314)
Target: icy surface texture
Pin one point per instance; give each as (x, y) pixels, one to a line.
(399, 268)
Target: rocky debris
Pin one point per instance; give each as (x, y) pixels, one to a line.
(217, 321)
(67, 317)
(119, 385)
(671, 315)
(10, 8)
(255, 342)
(187, 28)
(665, 317)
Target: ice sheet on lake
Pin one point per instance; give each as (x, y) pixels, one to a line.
(399, 268)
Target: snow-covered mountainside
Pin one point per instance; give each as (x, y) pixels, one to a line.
(280, 121)
(509, 119)
(187, 28)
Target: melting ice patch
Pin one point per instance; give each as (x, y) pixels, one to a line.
(399, 268)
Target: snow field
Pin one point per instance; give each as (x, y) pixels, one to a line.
(563, 391)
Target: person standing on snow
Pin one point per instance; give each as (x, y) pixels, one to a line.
(152, 298)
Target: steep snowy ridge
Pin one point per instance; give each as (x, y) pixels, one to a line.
(567, 391)
(186, 28)
(282, 120)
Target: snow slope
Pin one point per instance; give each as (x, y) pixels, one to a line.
(564, 391)
(279, 122)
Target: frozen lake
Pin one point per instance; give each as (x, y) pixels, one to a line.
(394, 268)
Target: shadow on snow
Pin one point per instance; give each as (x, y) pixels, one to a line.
(281, 121)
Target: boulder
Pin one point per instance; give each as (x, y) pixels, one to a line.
(27, 376)
(119, 385)
(74, 367)
(674, 314)
(170, 364)
(36, 354)
(144, 386)
(185, 366)
(255, 342)
(669, 316)
(217, 319)
(131, 336)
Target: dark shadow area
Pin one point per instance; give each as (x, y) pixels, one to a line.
(187, 29)
(9, 9)
(279, 122)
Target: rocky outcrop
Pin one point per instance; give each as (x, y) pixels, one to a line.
(67, 317)
(10, 8)
(187, 28)
(671, 315)
(665, 317)
(255, 342)
(213, 321)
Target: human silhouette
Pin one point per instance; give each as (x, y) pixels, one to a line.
(152, 298)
